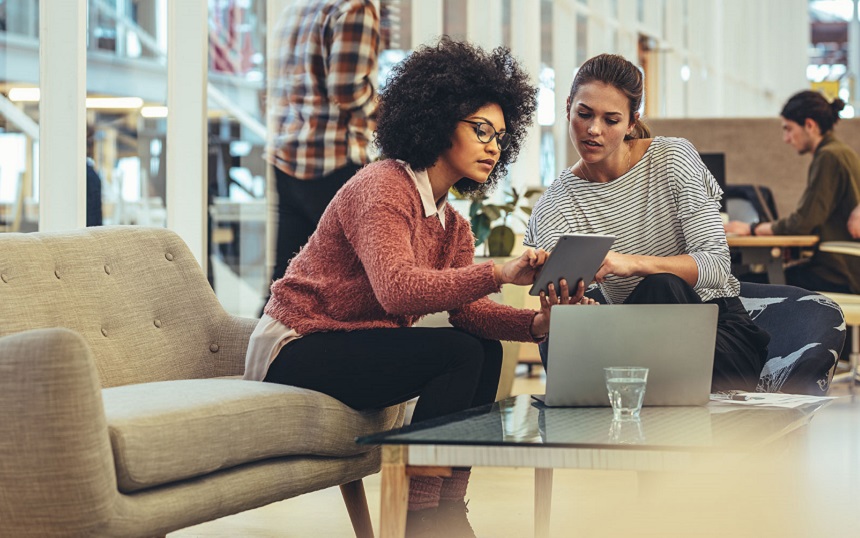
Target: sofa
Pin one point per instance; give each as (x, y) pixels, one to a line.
(124, 409)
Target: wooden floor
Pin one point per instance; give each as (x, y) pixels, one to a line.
(820, 497)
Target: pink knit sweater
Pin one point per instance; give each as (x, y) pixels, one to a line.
(376, 261)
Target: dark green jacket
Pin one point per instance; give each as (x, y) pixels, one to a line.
(832, 192)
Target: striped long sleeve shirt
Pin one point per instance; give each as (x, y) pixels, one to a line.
(325, 92)
(667, 204)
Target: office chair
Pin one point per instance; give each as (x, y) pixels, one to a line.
(749, 203)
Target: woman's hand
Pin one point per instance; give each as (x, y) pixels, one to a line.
(617, 264)
(522, 270)
(540, 324)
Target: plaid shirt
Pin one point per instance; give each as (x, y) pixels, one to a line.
(325, 92)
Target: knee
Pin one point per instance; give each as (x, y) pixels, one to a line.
(492, 350)
(466, 351)
(663, 281)
(462, 350)
(664, 284)
(663, 288)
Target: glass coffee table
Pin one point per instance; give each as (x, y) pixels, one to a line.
(522, 432)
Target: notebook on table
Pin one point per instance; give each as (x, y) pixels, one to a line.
(675, 342)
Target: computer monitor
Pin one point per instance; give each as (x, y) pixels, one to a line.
(716, 163)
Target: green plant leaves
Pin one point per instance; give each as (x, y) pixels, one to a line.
(481, 227)
(483, 214)
(501, 241)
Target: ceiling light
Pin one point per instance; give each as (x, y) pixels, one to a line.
(24, 94)
(154, 112)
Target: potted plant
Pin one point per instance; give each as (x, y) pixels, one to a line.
(490, 221)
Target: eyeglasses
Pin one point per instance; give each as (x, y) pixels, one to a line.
(487, 132)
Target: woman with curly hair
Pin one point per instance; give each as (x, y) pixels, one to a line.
(389, 250)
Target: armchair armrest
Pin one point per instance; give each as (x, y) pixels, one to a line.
(235, 332)
(56, 466)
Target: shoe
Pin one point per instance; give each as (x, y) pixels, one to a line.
(422, 523)
(453, 519)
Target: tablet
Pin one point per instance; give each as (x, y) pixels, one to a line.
(574, 257)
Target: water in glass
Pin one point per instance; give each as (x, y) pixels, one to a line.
(625, 395)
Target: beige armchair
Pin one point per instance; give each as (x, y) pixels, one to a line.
(123, 413)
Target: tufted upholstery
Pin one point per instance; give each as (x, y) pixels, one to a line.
(135, 295)
(118, 420)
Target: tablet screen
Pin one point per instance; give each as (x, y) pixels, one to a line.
(575, 257)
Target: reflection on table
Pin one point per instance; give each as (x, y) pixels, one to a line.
(768, 250)
(520, 432)
(521, 421)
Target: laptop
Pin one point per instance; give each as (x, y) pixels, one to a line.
(675, 342)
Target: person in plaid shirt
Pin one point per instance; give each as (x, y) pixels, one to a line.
(325, 102)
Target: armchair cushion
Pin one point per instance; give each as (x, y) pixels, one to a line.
(807, 332)
(164, 432)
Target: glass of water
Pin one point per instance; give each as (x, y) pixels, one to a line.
(626, 388)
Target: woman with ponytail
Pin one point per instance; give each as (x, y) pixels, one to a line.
(832, 193)
(660, 202)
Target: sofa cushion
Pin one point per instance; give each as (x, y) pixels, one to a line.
(167, 431)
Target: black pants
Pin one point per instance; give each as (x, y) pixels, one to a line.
(448, 369)
(301, 204)
(741, 347)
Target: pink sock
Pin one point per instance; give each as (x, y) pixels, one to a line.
(424, 492)
(454, 487)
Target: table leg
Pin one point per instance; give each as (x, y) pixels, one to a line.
(394, 492)
(543, 501)
(775, 271)
(771, 257)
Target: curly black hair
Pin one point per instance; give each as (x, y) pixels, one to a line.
(430, 91)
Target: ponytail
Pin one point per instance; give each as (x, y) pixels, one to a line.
(640, 130)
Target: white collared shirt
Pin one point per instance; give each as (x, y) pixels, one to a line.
(425, 190)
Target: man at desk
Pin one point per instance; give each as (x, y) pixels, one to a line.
(832, 192)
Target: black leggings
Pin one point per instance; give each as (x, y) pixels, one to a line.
(741, 348)
(448, 369)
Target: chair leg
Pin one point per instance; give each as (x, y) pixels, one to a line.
(356, 505)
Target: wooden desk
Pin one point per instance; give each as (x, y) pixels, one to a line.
(768, 249)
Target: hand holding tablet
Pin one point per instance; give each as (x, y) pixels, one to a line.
(575, 257)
